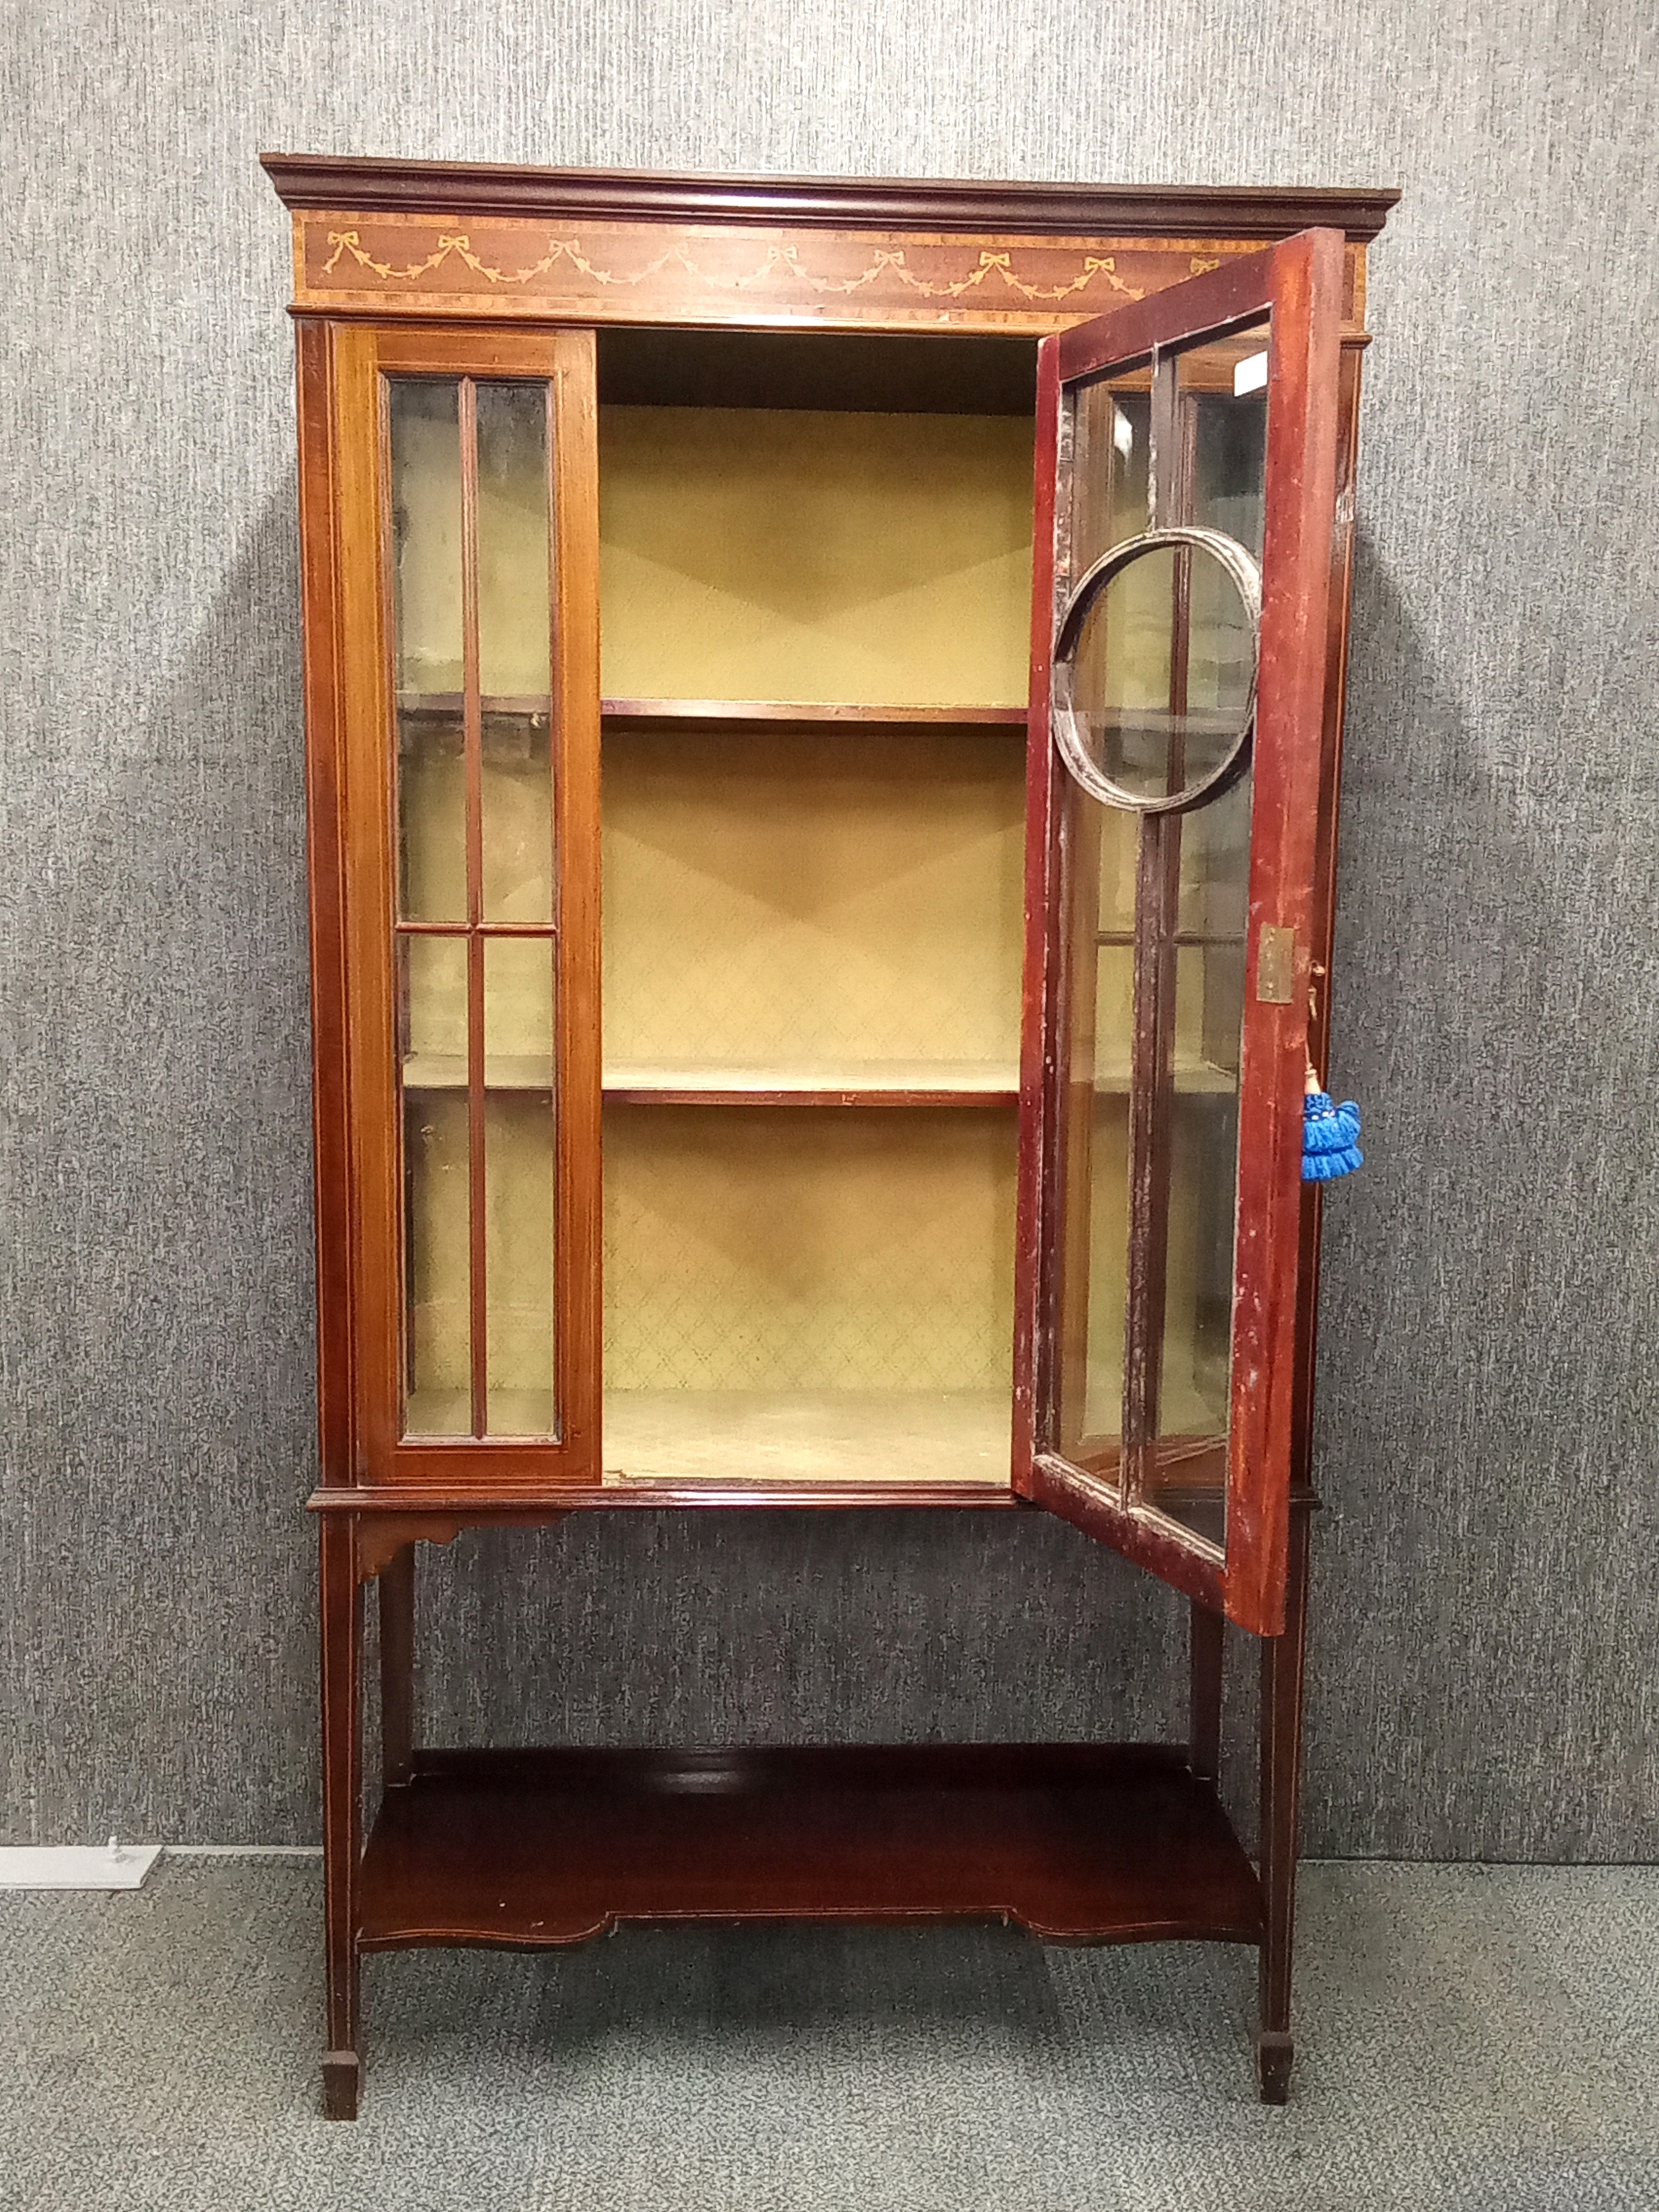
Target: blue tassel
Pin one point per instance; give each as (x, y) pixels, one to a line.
(1330, 1138)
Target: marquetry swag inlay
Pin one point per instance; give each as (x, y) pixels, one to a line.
(620, 271)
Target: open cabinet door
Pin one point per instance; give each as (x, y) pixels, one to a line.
(1187, 453)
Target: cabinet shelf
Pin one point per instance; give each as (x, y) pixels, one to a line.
(1119, 1844)
(640, 1083)
(891, 1083)
(805, 715)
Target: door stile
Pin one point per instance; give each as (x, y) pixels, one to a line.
(1324, 890)
(1300, 524)
(367, 799)
(1037, 1353)
(574, 616)
(330, 1096)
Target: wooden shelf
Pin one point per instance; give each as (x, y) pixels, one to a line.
(896, 1083)
(788, 714)
(726, 714)
(638, 1083)
(1077, 1843)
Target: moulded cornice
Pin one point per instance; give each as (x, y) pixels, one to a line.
(476, 188)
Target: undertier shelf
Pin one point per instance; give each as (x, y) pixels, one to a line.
(1076, 1843)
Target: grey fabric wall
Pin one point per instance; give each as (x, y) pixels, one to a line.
(1487, 1628)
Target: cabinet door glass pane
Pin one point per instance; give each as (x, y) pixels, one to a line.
(425, 427)
(471, 558)
(521, 1186)
(1110, 489)
(1200, 981)
(515, 651)
(432, 1009)
(1163, 683)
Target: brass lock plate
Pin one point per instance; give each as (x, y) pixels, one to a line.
(1275, 965)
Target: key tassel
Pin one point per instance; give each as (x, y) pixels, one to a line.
(1330, 1135)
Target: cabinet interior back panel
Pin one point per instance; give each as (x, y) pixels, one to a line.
(813, 899)
(862, 1248)
(798, 554)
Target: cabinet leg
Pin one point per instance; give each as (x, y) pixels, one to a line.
(397, 1623)
(1204, 1692)
(342, 2075)
(1282, 1658)
(342, 1671)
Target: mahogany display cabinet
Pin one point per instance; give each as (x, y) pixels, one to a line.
(823, 704)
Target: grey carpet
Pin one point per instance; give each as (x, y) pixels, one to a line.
(1483, 2040)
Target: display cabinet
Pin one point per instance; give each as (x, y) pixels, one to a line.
(824, 707)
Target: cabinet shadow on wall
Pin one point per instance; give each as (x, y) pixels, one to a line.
(162, 1318)
(1479, 1589)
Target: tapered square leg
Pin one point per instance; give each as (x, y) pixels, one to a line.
(396, 1600)
(1282, 1666)
(1204, 1651)
(342, 1682)
(1274, 2055)
(342, 2082)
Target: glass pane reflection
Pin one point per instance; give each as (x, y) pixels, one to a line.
(1222, 488)
(521, 1187)
(1162, 678)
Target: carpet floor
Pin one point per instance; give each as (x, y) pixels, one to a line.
(1482, 2039)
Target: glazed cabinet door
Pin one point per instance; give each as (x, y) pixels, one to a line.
(466, 512)
(1186, 493)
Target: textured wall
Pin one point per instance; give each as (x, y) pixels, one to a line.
(1484, 1656)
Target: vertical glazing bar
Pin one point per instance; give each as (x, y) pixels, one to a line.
(1151, 1067)
(1180, 425)
(555, 908)
(555, 766)
(473, 739)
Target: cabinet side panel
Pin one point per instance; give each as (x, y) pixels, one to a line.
(331, 1105)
